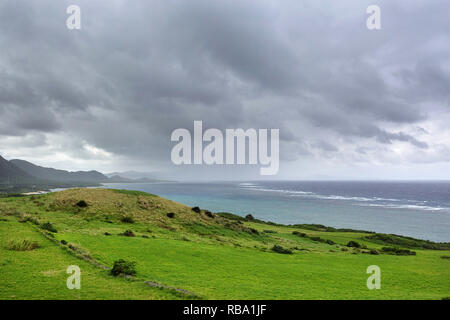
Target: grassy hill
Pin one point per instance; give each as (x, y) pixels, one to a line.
(184, 253)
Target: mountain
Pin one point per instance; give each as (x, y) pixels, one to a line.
(11, 174)
(134, 175)
(58, 175)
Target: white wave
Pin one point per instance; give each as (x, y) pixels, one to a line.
(406, 206)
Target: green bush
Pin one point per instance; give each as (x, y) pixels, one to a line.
(82, 204)
(407, 242)
(171, 215)
(279, 249)
(22, 245)
(398, 251)
(49, 227)
(353, 244)
(445, 257)
(196, 209)
(123, 267)
(128, 233)
(63, 242)
(127, 219)
(374, 251)
(209, 214)
(30, 219)
(300, 234)
(269, 231)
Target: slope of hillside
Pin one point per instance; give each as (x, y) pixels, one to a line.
(188, 252)
(11, 173)
(59, 175)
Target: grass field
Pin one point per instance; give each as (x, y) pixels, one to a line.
(197, 254)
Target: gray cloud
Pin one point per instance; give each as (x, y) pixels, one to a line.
(140, 69)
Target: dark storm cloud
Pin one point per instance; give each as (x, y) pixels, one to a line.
(137, 70)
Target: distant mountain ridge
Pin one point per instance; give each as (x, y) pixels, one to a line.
(59, 175)
(17, 171)
(11, 173)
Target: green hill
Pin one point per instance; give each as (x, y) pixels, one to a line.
(10, 173)
(183, 253)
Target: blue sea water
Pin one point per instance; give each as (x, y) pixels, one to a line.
(416, 209)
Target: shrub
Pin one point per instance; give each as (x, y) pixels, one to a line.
(249, 217)
(22, 245)
(49, 227)
(269, 231)
(127, 219)
(300, 234)
(107, 234)
(344, 249)
(81, 204)
(171, 215)
(196, 209)
(123, 267)
(330, 242)
(279, 249)
(144, 236)
(353, 244)
(398, 251)
(407, 242)
(63, 242)
(317, 239)
(374, 251)
(445, 257)
(128, 233)
(30, 219)
(209, 214)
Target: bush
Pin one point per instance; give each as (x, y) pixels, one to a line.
(49, 227)
(344, 249)
(30, 219)
(123, 267)
(269, 231)
(279, 249)
(249, 217)
(330, 242)
(22, 245)
(196, 209)
(209, 214)
(398, 251)
(63, 242)
(374, 251)
(144, 236)
(445, 257)
(317, 239)
(127, 219)
(128, 233)
(107, 234)
(81, 204)
(407, 242)
(171, 215)
(300, 234)
(353, 244)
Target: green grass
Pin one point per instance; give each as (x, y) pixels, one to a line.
(215, 257)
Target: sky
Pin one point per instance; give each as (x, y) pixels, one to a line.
(350, 103)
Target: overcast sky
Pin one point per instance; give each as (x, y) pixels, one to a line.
(350, 103)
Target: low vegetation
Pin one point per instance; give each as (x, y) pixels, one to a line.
(122, 267)
(22, 245)
(214, 255)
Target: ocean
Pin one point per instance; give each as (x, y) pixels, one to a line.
(417, 209)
